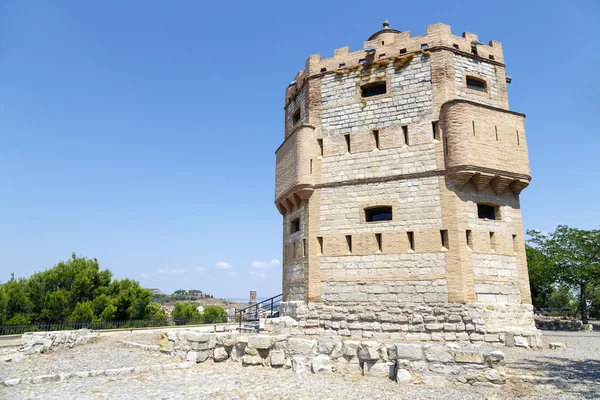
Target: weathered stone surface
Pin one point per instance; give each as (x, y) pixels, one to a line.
(277, 358)
(321, 364)
(261, 342)
(403, 376)
(351, 348)
(379, 369)
(302, 347)
(438, 353)
(252, 360)
(166, 346)
(226, 340)
(46, 378)
(407, 352)
(471, 357)
(299, 364)
(368, 351)
(326, 343)
(557, 346)
(12, 382)
(220, 354)
(495, 358)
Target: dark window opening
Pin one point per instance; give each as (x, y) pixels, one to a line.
(495, 127)
(474, 50)
(518, 140)
(476, 84)
(311, 165)
(320, 240)
(515, 244)
(304, 249)
(491, 57)
(455, 46)
(444, 238)
(405, 134)
(424, 46)
(493, 241)
(320, 143)
(411, 240)
(378, 239)
(378, 214)
(348, 148)
(296, 117)
(473, 128)
(374, 89)
(381, 56)
(342, 65)
(376, 137)
(382, 42)
(362, 61)
(349, 243)
(323, 69)
(295, 225)
(469, 239)
(485, 211)
(402, 51)
(436, 130)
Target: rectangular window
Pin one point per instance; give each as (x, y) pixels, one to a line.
(476, 84)
(495, 127)
(311, 165)
(294, 251)
(515, 244)
(405, 134)
(435, 126)
(304, 252)
(349, 243)
(469, 239)
(377, 214)
(348, 148)
(486, 211)
(376, 138)
(295, 225)
(444, 238)
(473, 128)
(320, 143)
(424, 46)
(493, 241)
(320, 241)
(379, 244)
(373, 89)
(296, 117)
(455, 46)
(402, 51)
(411, 240)
(518, 140)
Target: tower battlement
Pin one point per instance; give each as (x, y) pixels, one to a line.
(398, 180)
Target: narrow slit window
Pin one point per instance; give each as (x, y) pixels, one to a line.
(296, 117)
(486, 211)
(285, 253)
(515, 244)
(469, 239)
(493, 241)
(379, 243)
(320, 143)
(294, 250)
(376, 138)
(349, 243)
(473, 128)
(342, 65)
(311, 163)
(435, 126)
(320, 241)
(295, 225)
(405, 134)
(496, 128)
(411, 240)
(474, 50)
(373, 89)
(304, 252)
(476, 84)
(444, 238)
(347, 138)
(518, 140)
(378, 214)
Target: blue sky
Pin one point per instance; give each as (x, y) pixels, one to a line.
(143, 133)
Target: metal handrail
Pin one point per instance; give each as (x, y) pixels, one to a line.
(273, 309)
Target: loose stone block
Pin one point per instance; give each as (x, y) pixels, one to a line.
(321, 364)
(470, 357)
(220, 354)
(326, 343)
(438, 353)
(277, 358)
(557, 346)
(408, 352)
(379, 369)
(403, 376)
(261, 342)
(302, 347)
(252, 360)
(368, 351)
(299, 364)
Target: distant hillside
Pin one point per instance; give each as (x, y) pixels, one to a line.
(196, 296)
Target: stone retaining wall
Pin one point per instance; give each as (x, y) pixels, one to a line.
(557, 324)
(489, 324)
(40, 342)
(406, 363)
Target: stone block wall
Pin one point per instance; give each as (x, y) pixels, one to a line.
(404, 363)
(41, 342)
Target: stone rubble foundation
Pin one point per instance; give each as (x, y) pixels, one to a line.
(403, 362)
(41, 342)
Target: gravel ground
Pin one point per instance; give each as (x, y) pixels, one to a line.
(229, 380)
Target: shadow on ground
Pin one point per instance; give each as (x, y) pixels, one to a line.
(585, 371)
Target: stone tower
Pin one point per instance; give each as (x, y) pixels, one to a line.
(398, 180)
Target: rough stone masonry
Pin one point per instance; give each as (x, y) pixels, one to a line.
(398, 181)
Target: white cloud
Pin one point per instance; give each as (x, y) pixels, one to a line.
(223, 265)
(265, 264)
(170, 271)
(258, 274)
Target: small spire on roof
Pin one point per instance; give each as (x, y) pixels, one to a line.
(386, 24)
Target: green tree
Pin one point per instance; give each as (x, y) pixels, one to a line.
(215, 314)
(575, 256)
(19, 319)
(83, 312)
(2, 305)
(542, 276)
(156, 314)
(184, 312)
(17, 300)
